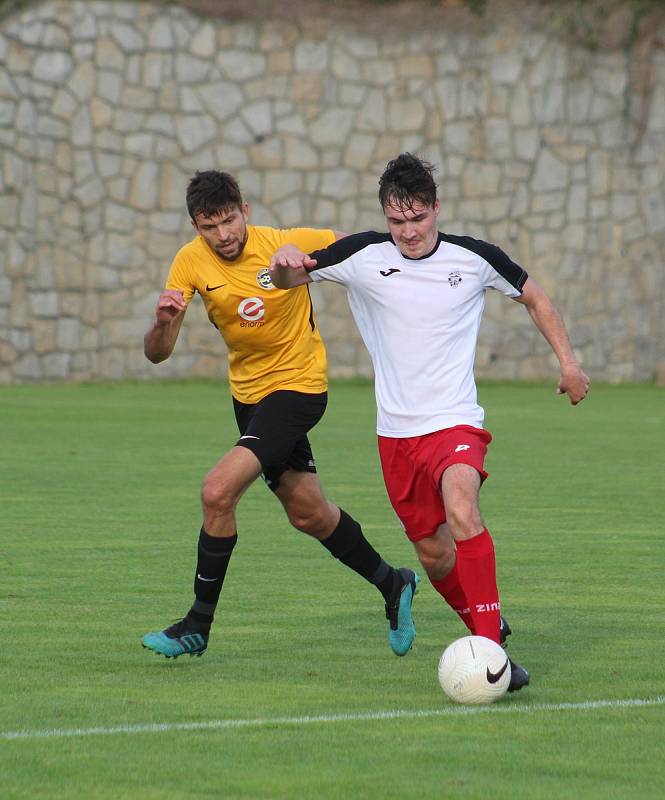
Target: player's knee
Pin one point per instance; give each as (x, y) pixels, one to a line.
(313, 520)
(438, 564)
(218, 495)
(464, 520)
(428, 562)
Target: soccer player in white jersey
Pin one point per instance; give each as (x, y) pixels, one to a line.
(417, 296)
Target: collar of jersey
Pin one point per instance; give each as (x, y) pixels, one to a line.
(439, 239)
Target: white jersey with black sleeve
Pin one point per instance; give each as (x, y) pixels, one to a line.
(419, 319)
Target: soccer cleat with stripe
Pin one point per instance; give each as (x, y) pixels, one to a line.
(182, 637)
(401, 630)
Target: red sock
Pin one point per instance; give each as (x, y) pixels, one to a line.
(476, 568)
(451, 590)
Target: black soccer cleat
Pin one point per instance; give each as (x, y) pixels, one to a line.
(519, 677)
(504, 629)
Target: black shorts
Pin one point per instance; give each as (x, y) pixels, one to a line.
(275, 430)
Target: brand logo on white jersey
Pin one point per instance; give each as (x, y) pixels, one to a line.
(461, 447)
(264, 280)
(454, 279)
(252, 310)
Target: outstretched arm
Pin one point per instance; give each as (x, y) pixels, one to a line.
(573, 380)
(287, 267)
(159, 341)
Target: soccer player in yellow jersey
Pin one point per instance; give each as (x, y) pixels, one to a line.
(277, 373)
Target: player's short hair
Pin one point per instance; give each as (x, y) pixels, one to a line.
(407, 179)
(212, 192)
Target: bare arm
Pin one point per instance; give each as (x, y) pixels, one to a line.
(573, 380)
(287, 267)
(159, 341)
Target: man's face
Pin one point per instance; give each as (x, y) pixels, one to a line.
(413, 228)
(225, 232)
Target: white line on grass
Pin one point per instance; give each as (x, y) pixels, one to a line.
(225, 724)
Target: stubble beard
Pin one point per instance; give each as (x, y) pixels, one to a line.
(235, 255)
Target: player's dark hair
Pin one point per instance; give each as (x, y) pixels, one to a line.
(405, 180)
(212, 192)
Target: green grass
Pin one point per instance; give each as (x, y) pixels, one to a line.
(100, 515)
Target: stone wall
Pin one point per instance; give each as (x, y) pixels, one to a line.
(549, 148)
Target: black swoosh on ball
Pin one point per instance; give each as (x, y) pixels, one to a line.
(493, 677)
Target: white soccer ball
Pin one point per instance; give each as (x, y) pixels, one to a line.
(474, 670)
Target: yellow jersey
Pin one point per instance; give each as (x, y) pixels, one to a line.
(272, 338)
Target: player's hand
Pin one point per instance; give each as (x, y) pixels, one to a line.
(291, 256)
(574, 382)
(169, 304)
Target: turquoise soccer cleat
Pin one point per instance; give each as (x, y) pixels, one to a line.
(401, 630)
(177, 640)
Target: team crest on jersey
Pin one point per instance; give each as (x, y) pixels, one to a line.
(454, 279)
(264, 280)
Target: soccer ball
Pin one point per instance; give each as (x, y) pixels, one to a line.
(474, 670)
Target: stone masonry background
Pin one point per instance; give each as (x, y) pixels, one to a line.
(551, 148)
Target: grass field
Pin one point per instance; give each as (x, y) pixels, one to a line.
(100, 516)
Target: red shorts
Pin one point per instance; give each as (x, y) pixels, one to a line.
(412, 470)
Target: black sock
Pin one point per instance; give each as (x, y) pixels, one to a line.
(214, 554)
(348, 544)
